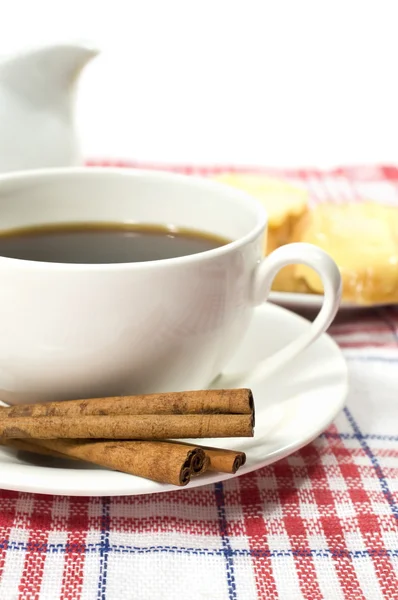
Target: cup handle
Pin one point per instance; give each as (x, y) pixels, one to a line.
(264, 274)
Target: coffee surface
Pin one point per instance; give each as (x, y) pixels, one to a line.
(104, 243)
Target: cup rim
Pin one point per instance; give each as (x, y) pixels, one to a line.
(54, 173)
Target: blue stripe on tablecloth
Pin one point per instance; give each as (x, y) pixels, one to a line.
(379, 471)
(104, 548)
(226, 544)
(355, 436)
(382, 359)
(230, 552)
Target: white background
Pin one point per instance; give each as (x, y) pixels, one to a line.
(214, 81)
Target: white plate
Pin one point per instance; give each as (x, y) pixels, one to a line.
(292, 408)
(301, 302)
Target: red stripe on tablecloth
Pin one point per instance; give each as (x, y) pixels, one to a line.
(296, 531)
(390, 172)
(78, 525)
(365, 344)
(256, 532)
(331, 525)
(40, 525)
(369, 524)
(163, 523)
(8, 501)
(191, 497)
(343, 330)
(360, 173)
(385, 572)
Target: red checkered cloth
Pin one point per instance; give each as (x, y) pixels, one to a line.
(321, 523)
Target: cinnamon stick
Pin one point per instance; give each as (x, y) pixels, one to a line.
(136, 427)
(218, 459)
(234, 401)
(160, 461)
(221, 459)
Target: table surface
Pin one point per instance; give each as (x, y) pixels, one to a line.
(321, 523)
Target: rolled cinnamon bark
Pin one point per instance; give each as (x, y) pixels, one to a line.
(215, 459)
(160, 461)
(199, 464)
(226, 461)
(130, 427)
(234, 401)
(221, 459)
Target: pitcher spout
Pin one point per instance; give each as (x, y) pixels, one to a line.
(37, 106)
(54, 68)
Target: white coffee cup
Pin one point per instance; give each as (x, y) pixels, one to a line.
(85, 330)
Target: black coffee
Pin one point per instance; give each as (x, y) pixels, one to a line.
(103, 243)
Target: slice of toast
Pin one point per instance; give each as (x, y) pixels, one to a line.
(363, 240)
(284, 202)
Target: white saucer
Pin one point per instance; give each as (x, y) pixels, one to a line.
(292, 408)
(312, 302)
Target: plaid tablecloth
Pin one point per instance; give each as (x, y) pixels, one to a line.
(319, 524)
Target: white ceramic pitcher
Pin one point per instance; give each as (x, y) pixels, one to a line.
(37, 105)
